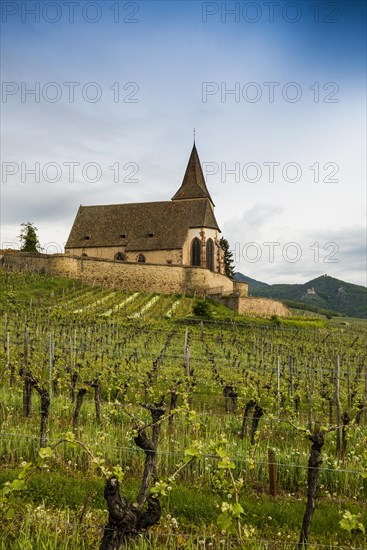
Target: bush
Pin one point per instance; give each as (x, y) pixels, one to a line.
(275, 319)
(202, 309)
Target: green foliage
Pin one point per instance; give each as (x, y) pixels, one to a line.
(228, 519)
(228, 258)
(46, 452)
(160, 489)
(10, 504)
(351, 522)
(195, 451)
(28, 237)
(275, 319)
(202, 309)
(364, 464)
(69, 437)
(232, 513)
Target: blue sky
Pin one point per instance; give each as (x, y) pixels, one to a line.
(169, 60)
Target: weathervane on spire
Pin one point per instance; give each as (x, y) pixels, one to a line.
(194, 136)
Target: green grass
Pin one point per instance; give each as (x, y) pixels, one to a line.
(351, 321)
(194, 508)
(37, 289)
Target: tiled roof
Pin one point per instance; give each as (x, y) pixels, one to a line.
(140, 226)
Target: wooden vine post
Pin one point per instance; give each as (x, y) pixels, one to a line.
(27, 384)
(310, 393)
(51, 360)
(337, 405)
(272, 473)
(187, 353)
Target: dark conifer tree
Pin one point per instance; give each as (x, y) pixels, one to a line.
(228, 258)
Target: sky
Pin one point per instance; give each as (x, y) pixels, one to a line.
(100, 100)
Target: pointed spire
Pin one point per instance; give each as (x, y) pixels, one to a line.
(193, 185)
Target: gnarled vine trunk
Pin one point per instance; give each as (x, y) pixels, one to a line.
(27, 396)
(258, 413)
(31, 383)
(79, 403)
(249, 406)
(314, 463)
(124, 519)
(230, 396)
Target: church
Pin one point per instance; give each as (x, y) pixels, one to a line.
(165, 247)
(181, 232)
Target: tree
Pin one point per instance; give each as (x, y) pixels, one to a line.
(228, 258)
(28, 237)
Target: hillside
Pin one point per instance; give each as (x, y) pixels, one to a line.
(70, 300)
(323, 292)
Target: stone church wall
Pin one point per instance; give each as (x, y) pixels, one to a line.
(109, 252)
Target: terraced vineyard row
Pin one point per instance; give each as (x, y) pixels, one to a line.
(104, 384)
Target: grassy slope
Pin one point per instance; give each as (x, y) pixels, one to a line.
(36, 287)
(27, 287)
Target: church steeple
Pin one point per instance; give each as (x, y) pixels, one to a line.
(193, 185)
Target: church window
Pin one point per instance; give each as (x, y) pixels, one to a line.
(120, 257)
(84, 255)
(87, 237)
(123, 236)
(141, 259)
(196, 252)
(210, 254)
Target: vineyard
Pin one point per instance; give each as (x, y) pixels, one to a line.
(127, 422)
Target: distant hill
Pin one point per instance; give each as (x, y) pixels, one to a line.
(323, 292)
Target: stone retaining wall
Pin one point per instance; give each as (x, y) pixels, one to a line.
(161, 278)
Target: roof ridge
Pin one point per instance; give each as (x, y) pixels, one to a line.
(121, 203)
(137, 203)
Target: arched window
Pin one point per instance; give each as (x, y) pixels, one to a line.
(141, 258)
(120, 257)
(210, 254)
(196, 252)
(84, 255)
